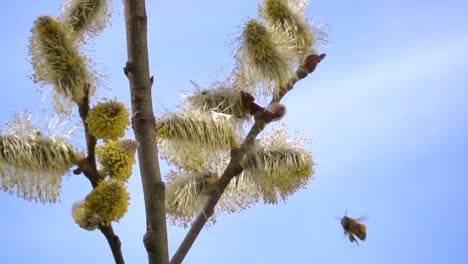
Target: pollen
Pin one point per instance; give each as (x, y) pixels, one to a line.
(362, 227)
(109, 201)
(117, 158)
(108, 120)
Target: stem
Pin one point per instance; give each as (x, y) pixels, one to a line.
(143, 122)
(114, 243)
(89, 169)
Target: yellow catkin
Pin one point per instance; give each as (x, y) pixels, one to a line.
(109, 201)
(117, 158)
(57, 62)
(108, 120)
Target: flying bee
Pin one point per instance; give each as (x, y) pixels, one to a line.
(353, 227)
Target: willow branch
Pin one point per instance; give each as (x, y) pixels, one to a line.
(233, 169)
(88, 165)
(114, 243)
(89, 169)
(143, 123)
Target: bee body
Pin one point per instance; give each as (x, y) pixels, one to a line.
(352, 227)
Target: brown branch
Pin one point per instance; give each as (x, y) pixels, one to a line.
(114, 243)
(89, 169)
(88, 166)
(143, 123)
(309, 65)
(233, 169)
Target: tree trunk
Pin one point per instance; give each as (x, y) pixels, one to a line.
(143, 123)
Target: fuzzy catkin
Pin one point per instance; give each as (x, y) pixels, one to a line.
(278, 171)
(280, 16)
(109, 201)
(57, 62)
(33, 167)
(224, 100)
(108, 120)
(117, 158)
(185, 195)
(187, 139)
(264, 59)
(86, 16)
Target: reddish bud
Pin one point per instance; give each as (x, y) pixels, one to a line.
(249, 104)
(311, 62)
(246, 98)
(274, 112)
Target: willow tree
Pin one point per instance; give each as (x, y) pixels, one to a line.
(218, 164)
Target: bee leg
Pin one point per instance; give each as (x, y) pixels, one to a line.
(353, 239)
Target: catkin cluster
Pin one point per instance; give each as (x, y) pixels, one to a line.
(106, 203)
(109, 200)
(271, 51)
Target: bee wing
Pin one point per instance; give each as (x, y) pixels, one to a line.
(362, 218)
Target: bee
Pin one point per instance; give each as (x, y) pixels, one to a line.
(353, 227)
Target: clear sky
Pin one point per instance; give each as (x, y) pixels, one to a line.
(386, 111)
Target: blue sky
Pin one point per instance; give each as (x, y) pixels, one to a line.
(386, 112)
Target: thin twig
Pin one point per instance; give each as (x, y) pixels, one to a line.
(89, 169)
(89, 165)
(114, 243)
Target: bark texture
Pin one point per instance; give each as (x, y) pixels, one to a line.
(143, 123)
